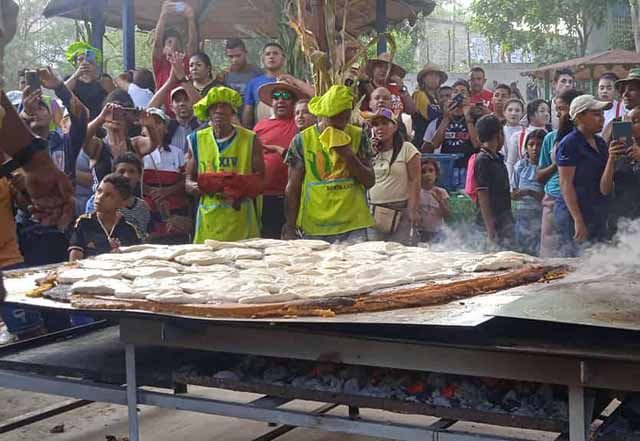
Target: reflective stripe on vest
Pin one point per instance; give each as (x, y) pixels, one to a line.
(332, 201)
(216, 218)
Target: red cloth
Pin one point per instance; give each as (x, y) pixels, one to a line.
(278, 132)
(162, 72)
(233, 185)
(485, 98)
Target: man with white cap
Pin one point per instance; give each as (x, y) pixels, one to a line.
(585, 167)
(184, 122)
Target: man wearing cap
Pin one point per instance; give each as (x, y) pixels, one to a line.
(85, 82)
(430, 78)
(276, 134)
(629, 90)
(223, 147)
(329, 172)
(183, 122)
(585, 167)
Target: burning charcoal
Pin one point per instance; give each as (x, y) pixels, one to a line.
(351, 386)
(227, 376)
(275, 373)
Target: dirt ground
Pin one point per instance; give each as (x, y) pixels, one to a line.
(97, 421)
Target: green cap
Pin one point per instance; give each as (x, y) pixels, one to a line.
(634, 75)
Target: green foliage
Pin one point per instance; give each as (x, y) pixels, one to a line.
(542, 27)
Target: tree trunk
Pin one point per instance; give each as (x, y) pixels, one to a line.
(8, 26)
(635, 22)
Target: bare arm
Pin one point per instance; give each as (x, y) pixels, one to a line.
(471, 127)
(292, 204)
(571, 201)
(616, 150)
(257, 160)
(75, 255)
(247, 116)
(158, 99)
(487, 214)
(408, 104)
(161, 25)
(192, 42)
(438, 138)
(544, 174)
(414, 176)
(191, 168)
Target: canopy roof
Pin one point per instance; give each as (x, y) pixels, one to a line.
(593, 66)
(221, 19)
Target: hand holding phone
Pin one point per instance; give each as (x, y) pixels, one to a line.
(90, 56)
(622, 131)
(33, 80)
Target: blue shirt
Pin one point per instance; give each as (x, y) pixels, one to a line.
(575, 151)
(524, 178)
(251, 92)
(552, 187)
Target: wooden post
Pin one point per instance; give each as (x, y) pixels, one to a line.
(128, 35)
(381, 24)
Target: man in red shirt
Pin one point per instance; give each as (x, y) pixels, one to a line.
(168, 41)
(480, 95)
(275, 134)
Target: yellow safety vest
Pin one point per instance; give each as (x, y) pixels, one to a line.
(332, 201)
(216, 218)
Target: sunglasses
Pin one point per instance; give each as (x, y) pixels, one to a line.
(282, 95)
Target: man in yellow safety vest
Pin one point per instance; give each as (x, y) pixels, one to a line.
(223, 148)
(329, 172)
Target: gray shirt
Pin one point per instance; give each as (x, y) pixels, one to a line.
(238, 80)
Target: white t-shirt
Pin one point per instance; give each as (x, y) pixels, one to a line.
(392, 182)
(431, 130)
(161, 159)
(616, 111)
(140, 96)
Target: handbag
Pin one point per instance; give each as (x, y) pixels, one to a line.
(386, 219)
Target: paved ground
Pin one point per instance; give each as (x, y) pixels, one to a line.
(96, 421)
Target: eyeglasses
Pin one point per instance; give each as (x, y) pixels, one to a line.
(282, 95)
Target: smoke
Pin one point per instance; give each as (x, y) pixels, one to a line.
(621, 257)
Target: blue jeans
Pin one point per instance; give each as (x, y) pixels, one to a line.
(20, 320)
(350, 236)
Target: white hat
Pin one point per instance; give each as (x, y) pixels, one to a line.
(178, 89)
(583, 103)
(159, 113)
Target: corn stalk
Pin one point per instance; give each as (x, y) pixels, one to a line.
(330, 66)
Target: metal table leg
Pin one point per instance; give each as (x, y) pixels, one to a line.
(132, 392)
(577, 414)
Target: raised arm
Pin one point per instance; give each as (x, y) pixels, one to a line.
(161, 25)
(192, 30)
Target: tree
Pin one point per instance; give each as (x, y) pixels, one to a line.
(537, 25)
(635, 22)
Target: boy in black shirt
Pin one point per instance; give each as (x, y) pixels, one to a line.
(492, 181)
(105, 230)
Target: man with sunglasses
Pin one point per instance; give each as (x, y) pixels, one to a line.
(276, 134)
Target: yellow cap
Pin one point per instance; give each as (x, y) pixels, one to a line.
(337, 99)
(217, 95)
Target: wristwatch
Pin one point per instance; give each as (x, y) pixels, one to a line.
(23, 157)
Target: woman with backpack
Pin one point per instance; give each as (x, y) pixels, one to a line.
(395, 198)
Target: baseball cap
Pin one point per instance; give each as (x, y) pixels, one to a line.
(382, 113)
(178, 89)
(159, 113)
(586, 102)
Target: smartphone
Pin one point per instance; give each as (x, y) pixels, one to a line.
(622, 131)
(179, 7)
(33, 80)
(90, 56)
(458, 99)
(129, 114)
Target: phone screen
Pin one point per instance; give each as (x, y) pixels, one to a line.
(89, 56)
(622, 131)
(33, 80)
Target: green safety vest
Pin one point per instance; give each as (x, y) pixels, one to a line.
(332, 201)
(216, 218)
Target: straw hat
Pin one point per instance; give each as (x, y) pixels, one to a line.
(634, 75)
(432, 67)
(265, 91)
(385, 60)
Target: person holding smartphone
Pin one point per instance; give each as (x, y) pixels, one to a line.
(624, 203)
(455, 131)
(85, 82)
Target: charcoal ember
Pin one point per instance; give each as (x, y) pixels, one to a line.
(510, 402)
(351, 386)
(227, 376)
(275, 373)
